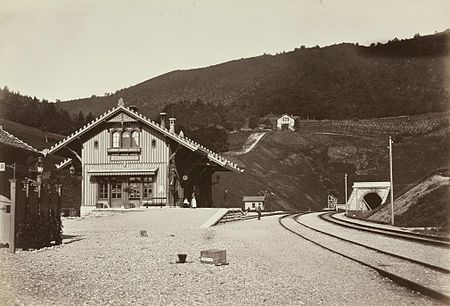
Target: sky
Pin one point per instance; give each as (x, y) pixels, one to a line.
(60, 49)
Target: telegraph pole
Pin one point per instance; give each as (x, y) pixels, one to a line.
(391, 180)
(346, 190)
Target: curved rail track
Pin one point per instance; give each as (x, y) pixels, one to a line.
(396, 256)
(391, 232)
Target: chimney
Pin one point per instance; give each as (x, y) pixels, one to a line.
(163, 119)
(134, 108)
(172, 125)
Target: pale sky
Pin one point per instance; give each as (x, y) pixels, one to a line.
(59, 49)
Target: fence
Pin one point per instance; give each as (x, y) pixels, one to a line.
(35, 220)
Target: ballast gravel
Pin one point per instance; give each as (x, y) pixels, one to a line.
(105, 261)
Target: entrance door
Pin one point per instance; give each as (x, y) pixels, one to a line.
(117, 192)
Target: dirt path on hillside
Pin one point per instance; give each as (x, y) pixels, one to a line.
(249, 144)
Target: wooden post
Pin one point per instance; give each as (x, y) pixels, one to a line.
(391, 180)
(12, 223)
(59, 191)
(108, 180)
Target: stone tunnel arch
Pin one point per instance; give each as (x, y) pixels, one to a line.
(367, 195)
(373, 199)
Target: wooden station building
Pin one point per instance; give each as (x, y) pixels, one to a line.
(128, 160)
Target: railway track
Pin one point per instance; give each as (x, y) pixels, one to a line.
(420, 265)
(391, 232)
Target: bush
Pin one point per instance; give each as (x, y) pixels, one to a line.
(39, 231)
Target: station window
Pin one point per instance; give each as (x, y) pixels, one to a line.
(95, 144)
(116, 139)
(147, 187)
(153, 143)
(134, 186)
(134, 139)
(126, 139)
(102, 190)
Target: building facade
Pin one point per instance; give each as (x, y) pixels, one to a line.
(251, 203)
(128, 160)
(286, 122)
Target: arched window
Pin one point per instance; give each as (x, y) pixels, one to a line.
(135, 139)
(116, 140)
(125, 139)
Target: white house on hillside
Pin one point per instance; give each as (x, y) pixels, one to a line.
(286, 122)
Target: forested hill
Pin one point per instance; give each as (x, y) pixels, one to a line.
(339, 81)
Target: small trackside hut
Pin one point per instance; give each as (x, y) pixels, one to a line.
(251, 203)
(128, 160)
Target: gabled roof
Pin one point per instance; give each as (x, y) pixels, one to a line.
(186, 142)
(12, 141)
(254, 198)
(286, 115)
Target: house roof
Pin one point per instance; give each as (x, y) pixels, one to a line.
(186, 142)
(286, 115)
(12, 141)
(254, 198)
(371, 184)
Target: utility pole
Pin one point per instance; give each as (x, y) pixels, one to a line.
(391, 180)
(346, 190)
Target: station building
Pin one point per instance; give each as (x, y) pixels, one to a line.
(128, 160)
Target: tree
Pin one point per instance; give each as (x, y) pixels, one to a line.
(253, 122)
(80, 120)
(89, 118)
(211, 137)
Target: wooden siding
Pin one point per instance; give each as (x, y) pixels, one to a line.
(98, 158)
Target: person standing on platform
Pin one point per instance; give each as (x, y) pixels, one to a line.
(193, 201)
(258, 210)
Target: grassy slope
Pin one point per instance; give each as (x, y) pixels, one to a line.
(426, 204)
(32, 136)
(299, 169)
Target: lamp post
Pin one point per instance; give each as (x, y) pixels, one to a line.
(391, 180)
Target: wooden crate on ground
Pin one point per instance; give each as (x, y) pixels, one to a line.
(214, 256)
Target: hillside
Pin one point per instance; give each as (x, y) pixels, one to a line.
(298, 169)
(34, 137)
(345, 81)
(425, 205)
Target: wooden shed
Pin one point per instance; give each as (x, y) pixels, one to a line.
(251, 203)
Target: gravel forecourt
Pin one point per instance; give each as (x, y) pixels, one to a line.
(104, 261)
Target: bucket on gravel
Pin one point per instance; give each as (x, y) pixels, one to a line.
(182, 258)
